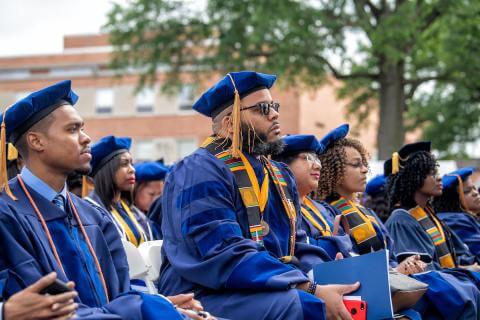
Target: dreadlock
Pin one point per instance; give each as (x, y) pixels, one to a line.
(333, 167)
(401, 187)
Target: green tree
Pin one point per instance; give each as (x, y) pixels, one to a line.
(382, 50)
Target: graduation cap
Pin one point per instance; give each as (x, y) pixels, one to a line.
(295, 144)
(229, 90)
(393, 165)
(22, 115)
(336, 134)
(105, 149)
(376, 185)
(456, 177)
(150, 171)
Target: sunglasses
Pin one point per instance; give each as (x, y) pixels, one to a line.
(264, 107)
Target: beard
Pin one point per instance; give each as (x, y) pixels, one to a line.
(257, 144)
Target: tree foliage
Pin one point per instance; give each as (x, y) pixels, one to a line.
(383, 51)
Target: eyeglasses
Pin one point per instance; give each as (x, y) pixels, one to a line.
(311, 159)
(264, 107)
(357, 165)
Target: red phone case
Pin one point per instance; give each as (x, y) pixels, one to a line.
(357, 308)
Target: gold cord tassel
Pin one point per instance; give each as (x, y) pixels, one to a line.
(395, 163)
(3, 161)
(236, 123)
(12, 153)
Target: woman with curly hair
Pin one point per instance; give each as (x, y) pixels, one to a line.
(459, 199)
(343, 177)
(412, 182)
(300, 154)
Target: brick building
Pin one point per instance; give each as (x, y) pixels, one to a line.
(160, 125)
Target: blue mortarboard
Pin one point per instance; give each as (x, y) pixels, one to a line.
(336, 134)
(150, 171)
(298, 143)
(376, 185)
(451, 179)
(22, 115)
(222, 94)
(392, 166)
(105, 149)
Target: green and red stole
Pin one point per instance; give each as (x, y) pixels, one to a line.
(360, 224)
(254, 196)
(433, 227)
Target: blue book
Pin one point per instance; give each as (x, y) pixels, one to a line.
(371, 270)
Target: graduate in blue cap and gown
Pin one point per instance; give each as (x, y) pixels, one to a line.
(114, 180)
(44, 228)
(149, 182)
(231, 216)
(412, 183)
(342, 178)
(459, 199)
(318, 221)
(375, 197)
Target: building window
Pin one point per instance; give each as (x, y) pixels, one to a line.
(104, 101)
(144, 150)
(145, 100)
(185, 147)
(186, 97)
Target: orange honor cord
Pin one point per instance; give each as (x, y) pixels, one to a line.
(49, 236)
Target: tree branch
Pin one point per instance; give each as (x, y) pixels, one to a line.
(418, 81)
(340, 76)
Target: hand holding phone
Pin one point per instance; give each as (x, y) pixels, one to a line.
(57, 287)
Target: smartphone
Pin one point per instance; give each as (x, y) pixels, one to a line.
(356, 308)
(57, 287)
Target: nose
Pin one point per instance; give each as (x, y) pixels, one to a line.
(131, 168)
(273, 115)
(85, 138)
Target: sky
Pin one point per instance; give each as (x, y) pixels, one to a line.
(38, 26)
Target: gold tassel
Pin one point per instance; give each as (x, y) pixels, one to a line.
(12, 152)
(3, 160)
(87, 186)
(236, 123)
(395, 163)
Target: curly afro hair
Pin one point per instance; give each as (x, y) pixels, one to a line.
(401, 187)
(333, 167)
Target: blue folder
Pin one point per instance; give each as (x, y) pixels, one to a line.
(371, 270)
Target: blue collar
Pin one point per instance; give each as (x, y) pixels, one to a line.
(40, 186)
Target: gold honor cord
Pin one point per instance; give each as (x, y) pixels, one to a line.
(307, 204)
(128, 231)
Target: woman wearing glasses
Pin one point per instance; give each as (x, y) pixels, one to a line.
(300, 154)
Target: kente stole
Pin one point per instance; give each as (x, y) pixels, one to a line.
(434, 229)
(310, 211)
(361, 226)
(253, 196)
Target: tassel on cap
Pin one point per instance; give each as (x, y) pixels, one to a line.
(236, 123)
(3, 160)
(395, 163)
(12, 153)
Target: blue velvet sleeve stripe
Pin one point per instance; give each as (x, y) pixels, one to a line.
(191, 223)
(199, 191)
(213, 241)
(261, 271)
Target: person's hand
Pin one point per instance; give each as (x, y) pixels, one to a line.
(196, 315)
(472, 267)
(411, 265)
(332, 295)
(186, 301)
(29, 304)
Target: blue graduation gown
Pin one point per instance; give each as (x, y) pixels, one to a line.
(332, 244)
(155, 215)
(26, 256)
(466, 227)
(207, 248)
(454, 292)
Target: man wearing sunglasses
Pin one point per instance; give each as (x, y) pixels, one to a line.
(230, 216)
